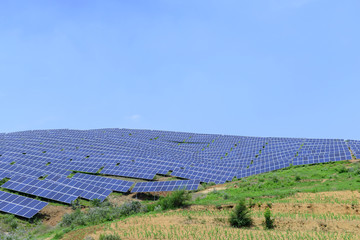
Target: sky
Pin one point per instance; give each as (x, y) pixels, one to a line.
(269, 68)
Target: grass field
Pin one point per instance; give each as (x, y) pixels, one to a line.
(306, 202)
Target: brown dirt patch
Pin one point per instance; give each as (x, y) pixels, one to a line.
(52, 215)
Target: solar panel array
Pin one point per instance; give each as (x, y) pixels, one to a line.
(143, 154)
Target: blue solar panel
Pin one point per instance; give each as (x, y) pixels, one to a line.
(43, 189)
(108, 183)
(88, 190)
(19, 205)
(164, 186)
(142, 173)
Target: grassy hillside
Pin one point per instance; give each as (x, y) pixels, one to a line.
(273, 186)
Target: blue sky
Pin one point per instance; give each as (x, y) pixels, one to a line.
(287, 68)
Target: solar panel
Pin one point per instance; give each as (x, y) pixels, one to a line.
(88, 191)
(108, 183)
(43, 189)
(19, 205)
(165, 186)
(130, 172)
(202, 176)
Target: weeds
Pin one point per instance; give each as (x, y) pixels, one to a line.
(109, 237)
(269, 222)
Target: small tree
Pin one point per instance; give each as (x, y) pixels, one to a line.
(241, 216)
(269, 223)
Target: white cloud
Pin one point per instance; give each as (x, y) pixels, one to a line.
(135, 117)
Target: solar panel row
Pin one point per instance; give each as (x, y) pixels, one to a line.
(107, 183)
(19, 205)
(87, 191)
(49, 190)
(164, 186)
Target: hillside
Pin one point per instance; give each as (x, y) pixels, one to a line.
(318, 201)
(56, 182)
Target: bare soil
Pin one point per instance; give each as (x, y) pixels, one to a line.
(52, 215)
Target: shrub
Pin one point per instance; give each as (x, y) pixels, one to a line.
(14, 224)
(269, 223)
(109, 237)
(341, 169)
(275, 179)
(99, 215)
(8, 219)
(75, 204)
(157, 208)
(176, 200)
(130, 208)
(241, 216)
(96, 202)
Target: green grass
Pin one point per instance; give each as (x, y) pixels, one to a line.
(334, 176)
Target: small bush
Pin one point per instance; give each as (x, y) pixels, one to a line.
(8, 219)
(297, 178)
(14, 224)
(176, 200)
(341, 169)
(157, 208)
(241, 216)
(269, 223)
(75, 204)
(96, 202)
(275, 179)
(98, 215)
(109, 237)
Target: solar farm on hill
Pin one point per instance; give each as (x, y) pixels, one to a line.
(61, 166)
